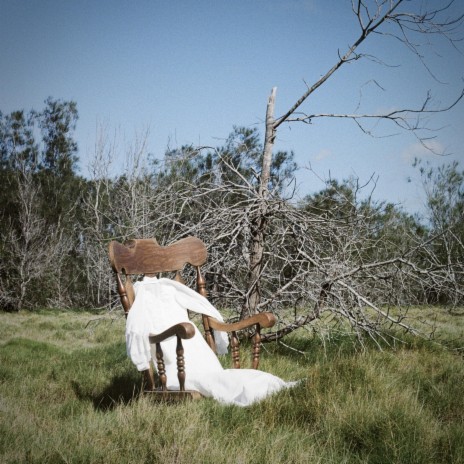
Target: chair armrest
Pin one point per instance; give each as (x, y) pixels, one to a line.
(263, 319)
(184, 330)
(259, 320)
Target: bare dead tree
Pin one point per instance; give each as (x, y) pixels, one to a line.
(35, 249)
(96, 206)
(116, 206)
(345, 264)
(343, 260)
(314, 260)
(399, 19)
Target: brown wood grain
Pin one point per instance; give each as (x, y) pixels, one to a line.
(146, 256)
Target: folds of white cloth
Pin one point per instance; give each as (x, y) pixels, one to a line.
(162, 303)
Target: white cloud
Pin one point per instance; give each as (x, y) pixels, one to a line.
(419, 150)
(322, 154)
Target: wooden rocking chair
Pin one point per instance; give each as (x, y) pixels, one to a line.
(147, 257)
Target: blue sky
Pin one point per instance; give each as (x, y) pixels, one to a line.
(191, 70)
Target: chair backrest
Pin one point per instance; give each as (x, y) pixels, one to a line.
(147, 257)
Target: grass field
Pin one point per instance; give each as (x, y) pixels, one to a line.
(68, 394)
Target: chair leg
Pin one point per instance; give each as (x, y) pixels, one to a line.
(256, 346)
(149, 379)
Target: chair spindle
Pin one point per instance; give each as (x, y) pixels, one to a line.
(180, 364)
(160, 365)
(201, 289)
(256, 346)
(235, 349)
(123, 294)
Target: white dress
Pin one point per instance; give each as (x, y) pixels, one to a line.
(161, 303)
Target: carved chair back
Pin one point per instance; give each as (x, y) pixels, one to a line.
(147, 257)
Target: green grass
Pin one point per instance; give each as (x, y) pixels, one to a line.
(68, 394)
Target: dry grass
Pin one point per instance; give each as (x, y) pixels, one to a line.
(69, 394)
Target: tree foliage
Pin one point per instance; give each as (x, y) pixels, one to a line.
(40, 205)
(444, 189)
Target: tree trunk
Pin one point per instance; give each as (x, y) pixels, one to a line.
(259, 222)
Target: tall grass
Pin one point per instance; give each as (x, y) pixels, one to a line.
(68, 394)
